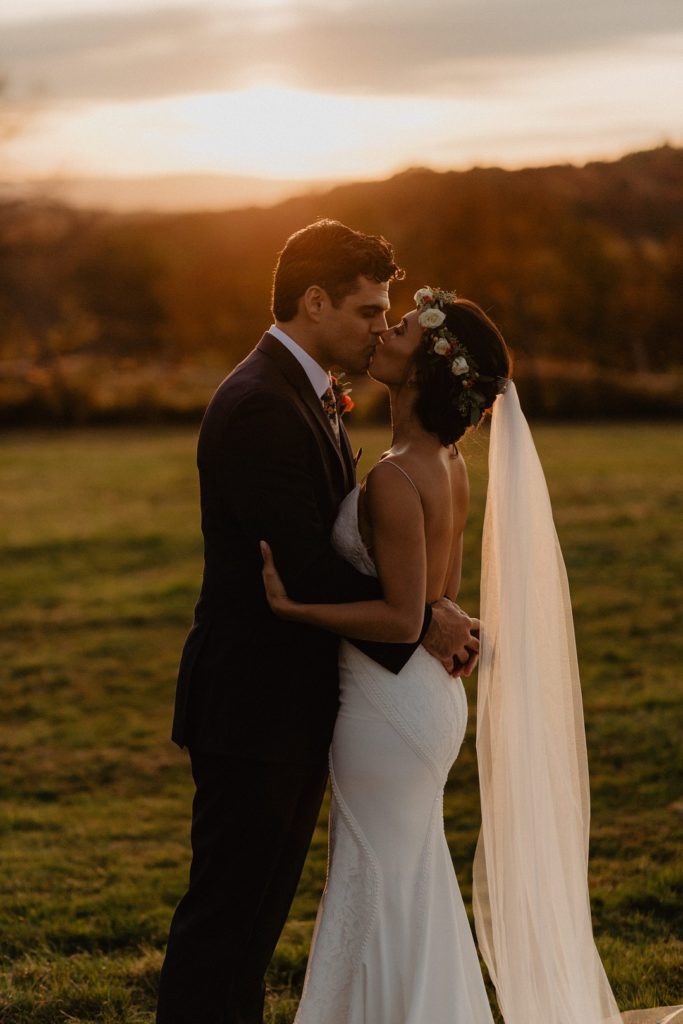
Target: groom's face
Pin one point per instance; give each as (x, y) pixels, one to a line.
(350, 331)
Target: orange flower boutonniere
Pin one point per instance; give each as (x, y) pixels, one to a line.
(342, 390)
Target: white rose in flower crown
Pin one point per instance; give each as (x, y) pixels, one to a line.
(442, 348)
(430, 318)
(423, 295)
(459, 366)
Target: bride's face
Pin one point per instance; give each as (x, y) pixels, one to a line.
(393, 360)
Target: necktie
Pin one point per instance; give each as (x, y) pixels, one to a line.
(329, 404)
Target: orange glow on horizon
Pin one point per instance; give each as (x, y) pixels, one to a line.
(564, 110)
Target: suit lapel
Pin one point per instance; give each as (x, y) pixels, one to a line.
(347, 453)
(298, 378)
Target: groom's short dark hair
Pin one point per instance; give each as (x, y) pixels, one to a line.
(328, 254)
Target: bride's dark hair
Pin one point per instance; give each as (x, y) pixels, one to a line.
(439, 402)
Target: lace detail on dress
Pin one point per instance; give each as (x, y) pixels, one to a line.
(337, 950)
(435, 828)
(346, 538)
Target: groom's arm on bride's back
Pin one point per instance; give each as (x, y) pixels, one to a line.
(262, 465)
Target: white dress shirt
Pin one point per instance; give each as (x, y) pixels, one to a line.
(319, 378)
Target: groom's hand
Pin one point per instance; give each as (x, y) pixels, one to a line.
(453, 638)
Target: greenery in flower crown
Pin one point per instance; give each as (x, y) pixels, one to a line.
(443, 344)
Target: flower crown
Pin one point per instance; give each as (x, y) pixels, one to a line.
(443, 343)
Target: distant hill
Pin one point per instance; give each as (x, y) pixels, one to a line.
(161, 193)
(582, 267)
(580, 262)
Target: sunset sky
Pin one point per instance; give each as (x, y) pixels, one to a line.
(335, 88)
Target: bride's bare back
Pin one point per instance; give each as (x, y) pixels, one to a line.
(442, 486)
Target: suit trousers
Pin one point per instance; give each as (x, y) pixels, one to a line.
(252, 824)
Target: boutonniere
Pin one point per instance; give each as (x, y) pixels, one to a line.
(342, 391)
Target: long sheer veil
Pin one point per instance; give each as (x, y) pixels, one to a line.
(531, 906)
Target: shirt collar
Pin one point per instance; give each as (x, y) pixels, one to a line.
(318, 377)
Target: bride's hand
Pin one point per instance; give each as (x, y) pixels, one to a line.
(465, 668)
(276, 594)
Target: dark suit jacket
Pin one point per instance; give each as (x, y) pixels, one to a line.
(269, 467)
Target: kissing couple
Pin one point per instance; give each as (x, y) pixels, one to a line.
(327, 640)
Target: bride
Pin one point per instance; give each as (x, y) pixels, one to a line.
(392, 944)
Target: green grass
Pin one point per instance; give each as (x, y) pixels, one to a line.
(101, 560)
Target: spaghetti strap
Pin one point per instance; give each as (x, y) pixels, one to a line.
(389, 462)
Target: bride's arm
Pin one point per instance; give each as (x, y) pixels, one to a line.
(395, 511)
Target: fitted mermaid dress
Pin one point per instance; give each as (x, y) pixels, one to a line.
(392, 943)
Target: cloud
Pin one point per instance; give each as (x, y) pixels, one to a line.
(391, 48)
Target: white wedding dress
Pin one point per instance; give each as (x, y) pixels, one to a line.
(392, 943)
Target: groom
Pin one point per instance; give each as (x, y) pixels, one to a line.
(257, 696)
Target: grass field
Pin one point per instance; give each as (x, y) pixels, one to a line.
(101, 560)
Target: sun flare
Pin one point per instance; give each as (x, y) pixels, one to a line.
(269, 129)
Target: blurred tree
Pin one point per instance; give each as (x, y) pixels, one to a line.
(116, 275)
(581, 267)
(41, 320)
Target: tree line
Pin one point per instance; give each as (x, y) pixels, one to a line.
(582, 268)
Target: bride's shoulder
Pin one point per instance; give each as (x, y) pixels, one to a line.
(455, 462)
(459, 481)
(388, 481)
